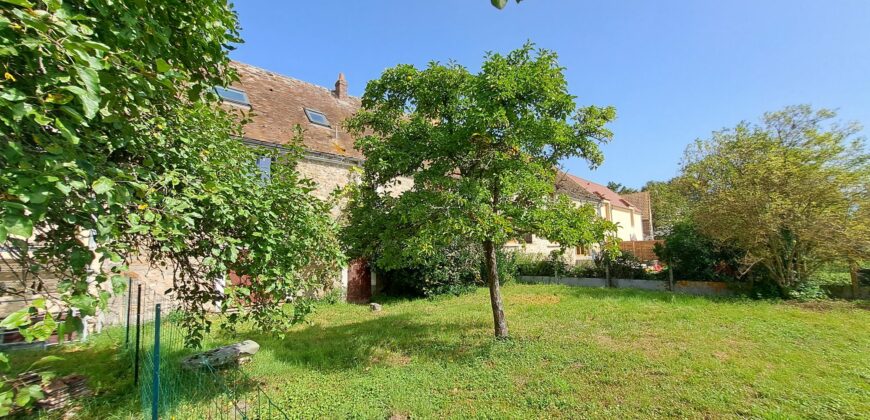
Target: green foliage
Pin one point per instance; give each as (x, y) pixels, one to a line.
(694, 256)
(791, 192)
(458, 269)
(620, 189)
(670, 205)
(500, 4)
(481, 150)
(622, 265)
(111, 133)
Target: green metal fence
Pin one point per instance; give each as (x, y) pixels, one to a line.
(156, 345)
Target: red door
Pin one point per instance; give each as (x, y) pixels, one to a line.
(359, 282)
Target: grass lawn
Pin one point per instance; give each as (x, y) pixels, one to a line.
(574, 352)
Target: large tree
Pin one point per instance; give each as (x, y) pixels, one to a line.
(481, 150)
(111, 134)
(792, 191)
(670, 205)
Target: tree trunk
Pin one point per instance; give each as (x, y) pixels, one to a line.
(501, 329)
(853, 273)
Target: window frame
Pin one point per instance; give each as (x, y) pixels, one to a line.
(245, 102)
(310, 111)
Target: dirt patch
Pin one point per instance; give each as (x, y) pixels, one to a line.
(388, 358)
(535, 299)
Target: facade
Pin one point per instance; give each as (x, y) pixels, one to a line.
(276, 104)
(609, 205)
(643, 202)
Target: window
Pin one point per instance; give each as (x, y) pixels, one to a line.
(232, 95)
(316, 117)
(264, 164)
(581, 250)
(528, 238)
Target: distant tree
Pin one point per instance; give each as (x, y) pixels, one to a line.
(620, 189)
(482, 151)
(670, 205)
(791, 192)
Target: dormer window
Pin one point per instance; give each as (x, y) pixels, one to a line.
(317, 117)
(235, 96)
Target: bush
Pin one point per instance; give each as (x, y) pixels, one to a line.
(540, 265)
(459, 269)
(625, 266)
(693, 256)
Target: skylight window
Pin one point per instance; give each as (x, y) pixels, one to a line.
(316, 117)
(232, 95)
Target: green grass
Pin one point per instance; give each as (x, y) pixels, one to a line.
(574, 352)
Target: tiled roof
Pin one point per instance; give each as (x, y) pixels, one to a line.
(602, 192)
(567, 184)
(278, 103)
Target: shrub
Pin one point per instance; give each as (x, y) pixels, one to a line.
(540, 265)
(693, 256)
(459, 269)
(623, 266)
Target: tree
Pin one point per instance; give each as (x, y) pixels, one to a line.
(670, 205)
(111, 133)
(619, 188)
(789, 191)
(481, 150)
(502, 3)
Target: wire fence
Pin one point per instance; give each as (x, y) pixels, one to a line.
(155, 343)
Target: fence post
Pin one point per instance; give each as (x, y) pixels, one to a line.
(138, 333)
(670, 275)
(129, 301)
(155, 377)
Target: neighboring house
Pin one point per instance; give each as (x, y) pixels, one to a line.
(643, 202)
(609, 205)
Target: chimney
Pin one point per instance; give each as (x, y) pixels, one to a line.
(341, 87)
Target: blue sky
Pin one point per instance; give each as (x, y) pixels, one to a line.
(674, 70)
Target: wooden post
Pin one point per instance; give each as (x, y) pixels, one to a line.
(670, 276)
(853, 273)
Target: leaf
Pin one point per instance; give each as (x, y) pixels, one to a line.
(103, 185)
(28, 395)
(90, 78)
(16, 319)
(162, 65)
(38, 303)
(22, 3)
(90, 101)
(119, 284)
(46, 359)
(499, 3)
(18, 224)
(12, 95)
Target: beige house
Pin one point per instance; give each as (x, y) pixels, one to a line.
(609, 205)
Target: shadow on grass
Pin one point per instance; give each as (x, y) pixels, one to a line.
(391, 339)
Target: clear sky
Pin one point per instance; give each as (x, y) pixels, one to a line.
(674, 70)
